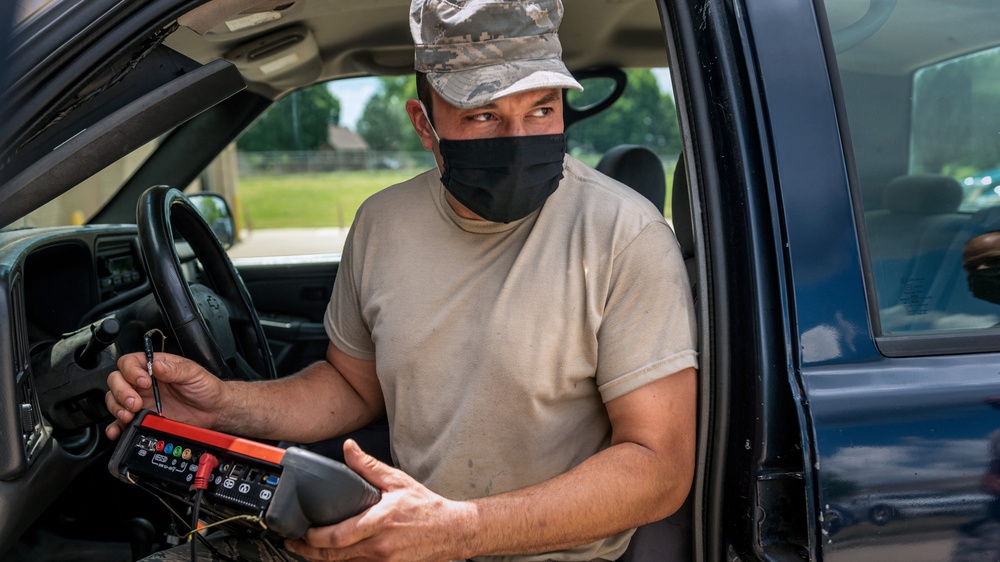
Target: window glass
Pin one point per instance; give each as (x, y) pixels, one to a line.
(923, 104)
(297, 176)
(956, 112)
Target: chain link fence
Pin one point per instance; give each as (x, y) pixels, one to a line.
(322, 161)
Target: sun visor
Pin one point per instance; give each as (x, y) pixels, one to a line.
(233, 15)
(284, 59)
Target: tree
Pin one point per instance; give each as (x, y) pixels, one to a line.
(384, 124)
(643, 115)
(298, 121)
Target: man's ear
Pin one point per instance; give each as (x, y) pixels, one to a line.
(420, 123)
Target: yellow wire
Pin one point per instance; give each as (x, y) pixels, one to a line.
(252, 518)
(189, 534)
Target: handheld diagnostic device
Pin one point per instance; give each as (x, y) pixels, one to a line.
(262, 490)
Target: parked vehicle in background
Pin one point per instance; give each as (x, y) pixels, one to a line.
(831, 172)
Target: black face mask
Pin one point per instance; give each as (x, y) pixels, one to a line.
(985, 284)
(503, 179)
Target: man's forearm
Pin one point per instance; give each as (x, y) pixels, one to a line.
(644, 476)
(622, 487)
(316, 403)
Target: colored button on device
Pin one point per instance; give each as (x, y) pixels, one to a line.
(159, 446)
(169, 449)
(178, 451)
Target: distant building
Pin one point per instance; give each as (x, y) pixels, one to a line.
(350, 150)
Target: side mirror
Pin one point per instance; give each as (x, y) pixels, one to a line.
(214, 209)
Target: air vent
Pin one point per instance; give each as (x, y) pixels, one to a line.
(18, 329)
(33, 430)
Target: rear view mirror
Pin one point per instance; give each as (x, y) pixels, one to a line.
(595, 91)
(601, 88)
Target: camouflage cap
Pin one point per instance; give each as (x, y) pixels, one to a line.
(476, 51)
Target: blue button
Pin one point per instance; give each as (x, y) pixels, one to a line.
(272, 480)
(169, 448)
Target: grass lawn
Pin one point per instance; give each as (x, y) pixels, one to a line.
(320, 200)
(311, 200)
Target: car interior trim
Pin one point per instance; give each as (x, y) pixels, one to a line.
(134, 125)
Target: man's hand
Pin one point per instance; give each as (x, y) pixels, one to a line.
(409, 523)
(189, 393)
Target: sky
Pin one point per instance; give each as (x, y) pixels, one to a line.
(353, 94)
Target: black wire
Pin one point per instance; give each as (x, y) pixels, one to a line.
(205, 542)
(194, 523)
(215, 551)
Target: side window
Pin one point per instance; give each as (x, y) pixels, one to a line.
(923, 117)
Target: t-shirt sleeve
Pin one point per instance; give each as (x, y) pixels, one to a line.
(648, 328)
(343, 320)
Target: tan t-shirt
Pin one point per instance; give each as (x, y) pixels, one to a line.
(496, 345)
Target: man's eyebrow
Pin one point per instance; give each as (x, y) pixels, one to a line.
(548, 98)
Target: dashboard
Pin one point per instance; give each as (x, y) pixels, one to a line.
(56, 282)
(57, 285)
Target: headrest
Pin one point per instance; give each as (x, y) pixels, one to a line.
(922, 194)
(639, 168)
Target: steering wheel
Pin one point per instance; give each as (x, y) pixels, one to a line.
(215, 326)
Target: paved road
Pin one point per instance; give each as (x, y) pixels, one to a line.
(289, 242)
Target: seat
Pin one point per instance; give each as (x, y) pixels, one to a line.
(909, 239)
(681, 216)
(641, 169)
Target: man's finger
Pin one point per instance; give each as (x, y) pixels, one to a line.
(377, 473)
(114, 430)
(346, 534)
(121, 396)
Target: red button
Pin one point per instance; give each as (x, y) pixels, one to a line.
(159, 446)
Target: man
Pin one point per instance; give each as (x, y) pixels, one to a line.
(981, 260)
(523, 321)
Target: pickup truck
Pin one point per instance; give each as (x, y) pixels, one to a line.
(835, 194)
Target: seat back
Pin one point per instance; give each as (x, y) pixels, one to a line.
(909, 239)
(639, 168)
(683, 223)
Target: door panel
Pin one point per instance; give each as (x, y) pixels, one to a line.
(291, 295)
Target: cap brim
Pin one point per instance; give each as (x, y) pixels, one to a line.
(477, 87)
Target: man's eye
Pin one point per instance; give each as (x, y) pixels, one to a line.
(482, 117)
(541, 111)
